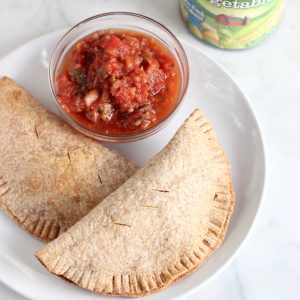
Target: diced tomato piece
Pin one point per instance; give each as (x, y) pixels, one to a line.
(113, 66)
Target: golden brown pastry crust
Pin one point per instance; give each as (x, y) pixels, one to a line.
(158, 227)
(50, 176)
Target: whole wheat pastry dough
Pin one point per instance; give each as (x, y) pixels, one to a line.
(50, 176)
(159, 226)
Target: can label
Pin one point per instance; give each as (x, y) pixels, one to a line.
(232, 24)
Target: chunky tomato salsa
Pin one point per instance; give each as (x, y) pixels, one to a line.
(118, 82)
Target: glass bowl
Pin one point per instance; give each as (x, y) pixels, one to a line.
(127, 21)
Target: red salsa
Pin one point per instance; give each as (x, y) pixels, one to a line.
(118, 82)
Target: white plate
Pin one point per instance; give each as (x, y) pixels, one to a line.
(211, 89)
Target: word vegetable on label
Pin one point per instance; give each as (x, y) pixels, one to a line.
(239, 4)
(232, 24)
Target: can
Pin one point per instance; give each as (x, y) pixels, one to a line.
(232, 24)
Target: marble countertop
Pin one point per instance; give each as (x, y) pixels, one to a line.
(268, 266)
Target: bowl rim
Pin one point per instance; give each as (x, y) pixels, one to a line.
(128, 137)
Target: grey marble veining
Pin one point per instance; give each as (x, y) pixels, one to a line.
(268, 266)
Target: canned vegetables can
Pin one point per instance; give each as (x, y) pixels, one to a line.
(232, 24)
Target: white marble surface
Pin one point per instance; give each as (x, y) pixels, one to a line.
(268, 266)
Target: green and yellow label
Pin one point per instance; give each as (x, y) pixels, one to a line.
(232, 24)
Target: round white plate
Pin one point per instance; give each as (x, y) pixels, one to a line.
(211, 89)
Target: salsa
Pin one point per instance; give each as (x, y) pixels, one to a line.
(118, 82)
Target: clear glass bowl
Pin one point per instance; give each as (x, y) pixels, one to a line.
(119, 20)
